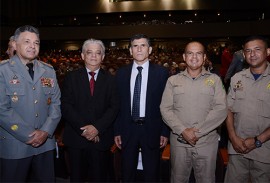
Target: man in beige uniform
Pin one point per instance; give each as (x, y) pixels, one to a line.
(193, 106)
(248, 119)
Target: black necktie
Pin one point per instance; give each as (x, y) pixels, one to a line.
(136, 95)
(30, 69)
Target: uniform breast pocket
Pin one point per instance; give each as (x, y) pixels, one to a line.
(264, 102)
(206, 96)
(15, 94)
(239, 101)
(48, 90)
(178, 95)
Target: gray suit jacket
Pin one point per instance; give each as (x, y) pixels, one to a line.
(26, 105)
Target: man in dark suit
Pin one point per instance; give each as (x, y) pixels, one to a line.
(89, 107)
(140, 127)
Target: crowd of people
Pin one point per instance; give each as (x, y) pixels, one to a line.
(139, 99)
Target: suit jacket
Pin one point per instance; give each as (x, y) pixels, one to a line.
(26, 105)
(155, 127)
(79, 108)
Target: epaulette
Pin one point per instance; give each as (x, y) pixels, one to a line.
(49, 65)
(4, 61)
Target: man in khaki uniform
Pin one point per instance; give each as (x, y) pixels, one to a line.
(248, 119)
(193, 106)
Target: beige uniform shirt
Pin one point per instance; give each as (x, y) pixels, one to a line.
(199, 103)
(249, 100)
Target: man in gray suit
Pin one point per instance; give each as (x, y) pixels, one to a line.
(29, 112)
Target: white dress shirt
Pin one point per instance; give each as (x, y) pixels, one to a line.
(134, 73)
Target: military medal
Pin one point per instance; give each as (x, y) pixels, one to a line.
(14, 127)
(49, 101)
(47, 82)
(14, 98)
(14, 80)
(238, 86)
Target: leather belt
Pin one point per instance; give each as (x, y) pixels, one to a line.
(139, 121)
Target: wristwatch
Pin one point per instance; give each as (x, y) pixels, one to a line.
(258, 143)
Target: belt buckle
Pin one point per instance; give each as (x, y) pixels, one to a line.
(181, 140)
(140, 122)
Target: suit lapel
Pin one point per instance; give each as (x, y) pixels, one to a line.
(19, 69)
(101, 79)
(83, 77)
(127, 85)
(38, 71)
(152, 79)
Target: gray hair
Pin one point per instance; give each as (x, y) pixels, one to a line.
(25, 28)
(93, 41)
(12, 38)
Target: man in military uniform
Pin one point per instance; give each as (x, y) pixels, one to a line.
(29, 112)
(193, 106)
(248, 120)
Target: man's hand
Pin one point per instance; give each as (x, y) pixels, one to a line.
(238, 144)
(118, 141)
(38, 138)
(189, 135)
(89, 132)
(249, 143)
(163, 141)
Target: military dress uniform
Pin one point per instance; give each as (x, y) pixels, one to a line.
(249, 100)
(27, 104)
(194, 102)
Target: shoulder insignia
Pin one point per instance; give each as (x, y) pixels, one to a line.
(268, 86)
(44, 63)
(209, 82)
(4, 61)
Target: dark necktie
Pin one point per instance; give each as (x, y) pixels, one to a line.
(92, 82)
(30, 69)
(136, 95)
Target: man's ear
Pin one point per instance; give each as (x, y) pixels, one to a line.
(150, 50)
(13, 43)
(184, 57)
(130, 51)
(82, 55)
(268, 51)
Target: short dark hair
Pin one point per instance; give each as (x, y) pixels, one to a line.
(25, 28)
(257, 37)
(139, 36)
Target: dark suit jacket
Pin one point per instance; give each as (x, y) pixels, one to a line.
(157, 78)
(79, 108)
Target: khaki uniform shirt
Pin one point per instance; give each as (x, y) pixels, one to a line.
(199, 103)
(249, 100)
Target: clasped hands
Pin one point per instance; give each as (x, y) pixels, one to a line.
(243, 146)
(189, 135)
(38, 137)
(90, 133)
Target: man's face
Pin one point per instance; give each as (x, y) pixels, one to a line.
(27, 46)
(10, 51)
(256, 53)
(140, 50)
(92, 56)
(194, 56)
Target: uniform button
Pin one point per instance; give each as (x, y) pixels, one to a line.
(36, 101)
(33, 88)
(36, 114)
